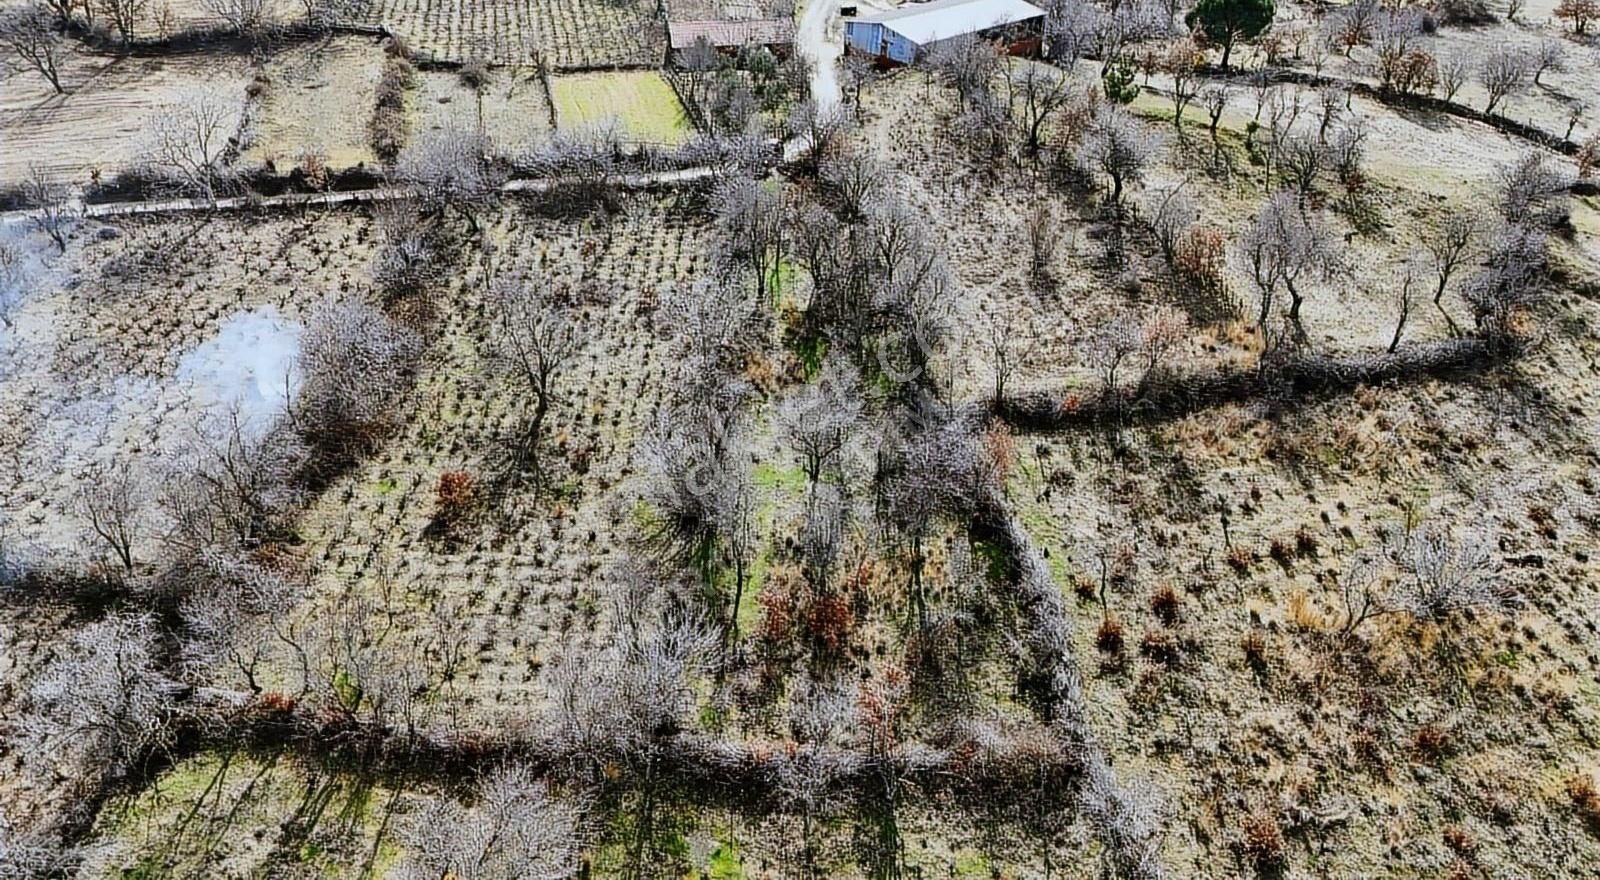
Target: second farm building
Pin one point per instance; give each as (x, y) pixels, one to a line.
(903, 35)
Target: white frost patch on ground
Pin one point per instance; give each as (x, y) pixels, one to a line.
(81, 426)
(250, 365)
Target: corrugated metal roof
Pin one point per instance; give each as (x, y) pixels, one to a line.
(726, 33)
(926, 23)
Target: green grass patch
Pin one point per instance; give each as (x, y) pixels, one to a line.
(811, 349)
(789, 479)
(640, 100)
(725, 863)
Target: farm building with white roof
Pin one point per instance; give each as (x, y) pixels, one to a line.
(902, 34)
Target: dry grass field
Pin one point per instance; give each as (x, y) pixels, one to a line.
(514, 111)
(99, 124)
(318, 99)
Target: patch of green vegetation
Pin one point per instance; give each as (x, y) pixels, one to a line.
(749, 611)
(781, 278)
(996, 563)
(725, 863)
(974, 864)
(811, 349)
(769, 476)
(385, 486)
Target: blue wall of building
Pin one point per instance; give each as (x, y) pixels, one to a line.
(875, 39)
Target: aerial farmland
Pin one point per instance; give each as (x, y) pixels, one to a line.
(952, 439)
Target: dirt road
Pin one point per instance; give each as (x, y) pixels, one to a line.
(821, 38)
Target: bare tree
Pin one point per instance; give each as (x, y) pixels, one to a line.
(230, 606)
(51, 205)
(405, 258)
(1402, 64)
(1511, 279)
(245, 17)
(818, 418)
(104, 700)
(584, 159)
(1301, 158)
(1441, 571)
(751, 217)
(535, 341)
(62, 9)
(1111, 349)
(1035, 93)
(1578, 14)
(115, 504)
(229, 487)
(125, 15)
(1549, 55)
(1331, 100)
(1355, 23)
(1010, 338)
(859, 72)
(1214, 98)
(1285, 246)
(968, 64)
(1576, 111)
(1454, 70)
(1533, 189)
(1404, 297)
(1502, 72)
(1449, 246)
(859, 179)
(1169, 213)
(353, 364)
(695, 471)
(515, 829)
(451, 170)
(1074, 29)
(819, 129)
(620, 705)
(1119, 148)
(1044, 239)
(33, 35)
(1181, 63)
(190, 140)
